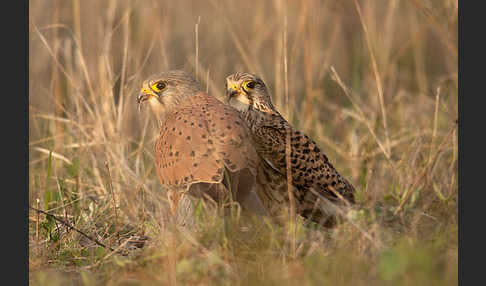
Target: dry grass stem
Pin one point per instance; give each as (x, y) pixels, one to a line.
(112, 193)
(376, 74)
(292, 226)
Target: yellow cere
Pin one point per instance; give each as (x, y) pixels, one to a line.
(146, 91)
(234, 86)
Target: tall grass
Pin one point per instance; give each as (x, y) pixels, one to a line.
(374, 83)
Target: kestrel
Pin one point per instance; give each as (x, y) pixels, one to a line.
(204, 147)
(310, 168)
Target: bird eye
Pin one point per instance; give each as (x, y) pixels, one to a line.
(249, 85)
(159, 86)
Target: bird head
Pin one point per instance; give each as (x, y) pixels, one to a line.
(245, 91)
(164, 91)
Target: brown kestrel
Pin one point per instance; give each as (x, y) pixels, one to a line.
(204, 147)
(317, 184)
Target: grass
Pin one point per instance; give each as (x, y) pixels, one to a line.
(374, 83)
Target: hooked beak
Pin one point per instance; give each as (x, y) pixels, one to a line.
(232, 91)
(144, 95)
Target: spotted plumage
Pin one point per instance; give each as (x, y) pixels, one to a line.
(311, 170)
(203, 144)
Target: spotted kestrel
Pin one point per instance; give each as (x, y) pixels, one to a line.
(318, 187)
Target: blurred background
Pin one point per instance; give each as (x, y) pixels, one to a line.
(374, 83)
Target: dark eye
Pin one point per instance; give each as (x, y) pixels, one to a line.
(251, 84)
(161, 85)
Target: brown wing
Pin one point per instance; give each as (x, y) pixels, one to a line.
(195, 143)
(309, 166)
(272, 189)
(231, 136)
(180, 150)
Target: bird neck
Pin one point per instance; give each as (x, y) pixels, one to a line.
(257, 118)
(157, 108)
(167, 104)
